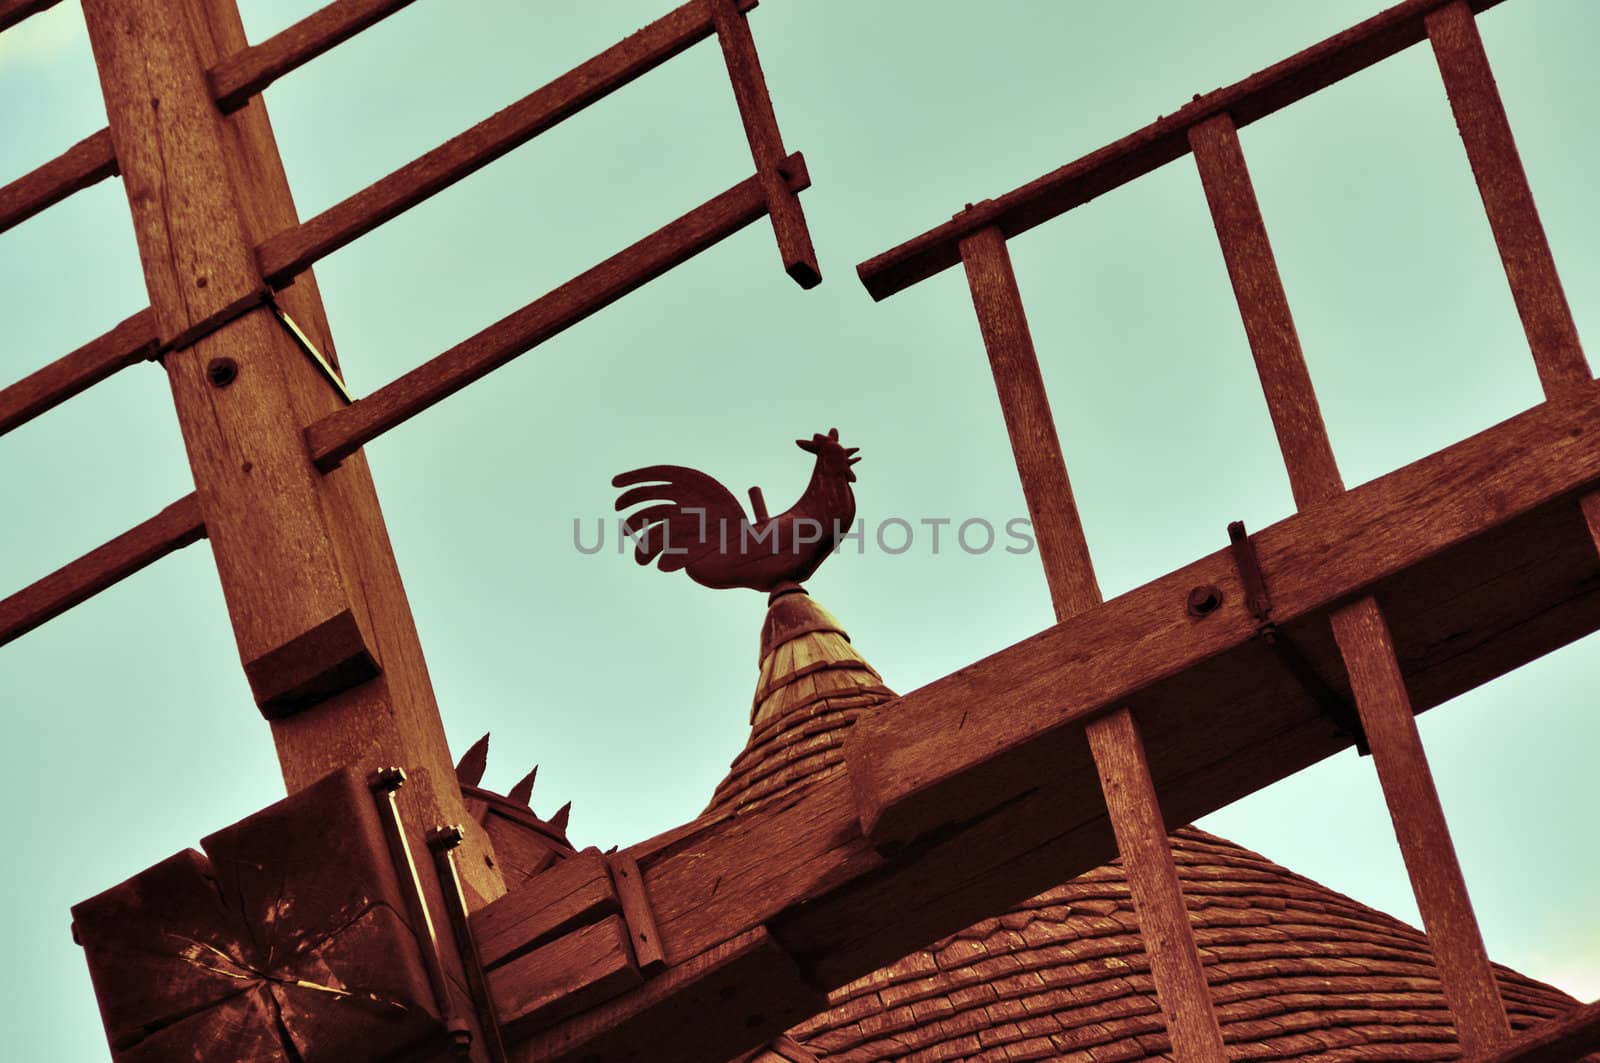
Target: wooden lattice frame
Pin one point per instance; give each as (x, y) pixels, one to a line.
(934, 825)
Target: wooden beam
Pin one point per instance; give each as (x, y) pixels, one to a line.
(1419, 824)
(14, 11)
(293, 249)
(1114, 739)
(1507, 198)
(344, 431)
(131, 342)
(1478, 556)
(246, 72)
(915, 774)
(175, 527)
(304, 559)
(1157, 144)
(1559, 1040)
(1359, 628)
(766, 143)
(87, 162)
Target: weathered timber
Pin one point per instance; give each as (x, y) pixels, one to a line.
(293, 249)
(766, 143)
(89, 161)
(1560, 1040)
(1359, 629)
(945, 769)
(575, 892)
(1419, 824)
(290, 542)
(1264, 307)
(1160, 142)
(1113, 739)
(131, 342)
(14, 11)
(175, 527)
(345, 430)
(636, 911)
(712, 1007)
(288, 943)
(246, 72)
(588, 966)
(1507, 198)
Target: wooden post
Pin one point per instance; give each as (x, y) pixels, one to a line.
(1119, 756)
(1359, 628)
(316, 602)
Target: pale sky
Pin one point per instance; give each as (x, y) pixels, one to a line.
(132, 732)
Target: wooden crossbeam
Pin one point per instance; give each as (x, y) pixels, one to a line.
(292, 250)
(978, 791)
(1359, 628)
(129, 343)
(347, 429)
(246, 72)
(14, 11)
(87, 162)
(1562, 1040)
(1114, 739)
(175, 527)
(1155, 145)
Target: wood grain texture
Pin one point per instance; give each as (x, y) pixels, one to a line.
(1264, 308)
(343, 431)
(636, 911)
(175, 527)
(1067, 566)
(1113, 740)
(575, 892)
(766, 142)
(928, 759)
(14, 11)
(1419, 824)
(1135, 814)
(129, 343)
(89, 161)
(1155, 145)
(570, 974)
(1507, 197)
(290, 543)
(293, 249)
(1557, 1041)
(244, 73)
(733, 997)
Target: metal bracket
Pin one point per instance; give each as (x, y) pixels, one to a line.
(310, 349)
(1259, 604)
(442, 842)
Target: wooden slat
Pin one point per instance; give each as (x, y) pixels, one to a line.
(586, 967)
(87, 162)
(636, 910)
(766, 143)
(917, 775)
(1268, 324)
(1419, 824)
(346, 430)
(1359, 628)
(1114, 739)
(173, 528)
(575, 892)
(1164, 929)
(1481, 563)
(241, 75)
(1155, 145)
(1561, 1040)
(131, 342)
(14, 11)
(292, 250)
(1507, 199)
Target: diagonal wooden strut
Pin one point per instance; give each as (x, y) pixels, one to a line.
(1359, 628)
(1114, 739)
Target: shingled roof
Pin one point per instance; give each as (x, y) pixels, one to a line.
(1297, 971)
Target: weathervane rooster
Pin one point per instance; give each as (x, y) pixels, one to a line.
(695, 524)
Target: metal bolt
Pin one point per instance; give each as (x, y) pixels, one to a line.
(444, 837)
(387, 780)
(1204, 600)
